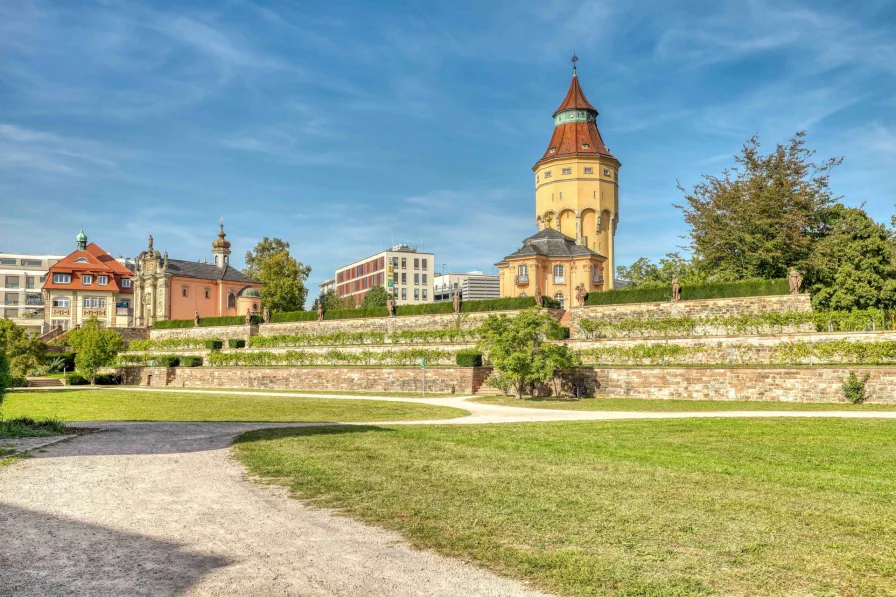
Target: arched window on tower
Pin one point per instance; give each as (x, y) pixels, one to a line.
(231, 301)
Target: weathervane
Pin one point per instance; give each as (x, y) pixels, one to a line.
(574, 60)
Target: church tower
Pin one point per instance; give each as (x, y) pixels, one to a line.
(577, 179)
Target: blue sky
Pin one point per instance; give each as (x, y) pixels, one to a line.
(344, 127)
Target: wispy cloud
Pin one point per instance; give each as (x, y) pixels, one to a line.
(51, 153)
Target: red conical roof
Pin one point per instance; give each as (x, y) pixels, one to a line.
(575, 97)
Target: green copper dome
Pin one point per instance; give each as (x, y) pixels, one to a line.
(81, 236)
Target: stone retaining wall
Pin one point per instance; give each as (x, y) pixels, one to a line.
(220, 332)
(456, 380)
(698, 308)
(776, 384)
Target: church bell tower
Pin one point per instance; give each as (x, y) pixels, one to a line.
(577, 179)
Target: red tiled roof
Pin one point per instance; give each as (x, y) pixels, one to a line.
(99, 262)
(575, 98)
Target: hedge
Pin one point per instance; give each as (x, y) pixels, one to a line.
(18, 382)
(468, 358)
(167, 361)
(76, 379)
(109, 379)
(214, 344)
(235, 343)
(561, 334)
(691, 293)
(190, 361)
(205, 322)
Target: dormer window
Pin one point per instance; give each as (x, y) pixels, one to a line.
(81, 260)
(87, 279)
(125, 282)
(553, 149)
(102, 280)
(585, 146)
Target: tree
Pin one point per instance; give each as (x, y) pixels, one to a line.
(516, 347)
(4, 371)
(284, 282)
(375, 297)
(763, 216)
(267, 248)
(24, 353)
(646, 274)
(95, 347)
(333, 302)
(852, 266)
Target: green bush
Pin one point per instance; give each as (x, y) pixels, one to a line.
(205, 322)
(76, 379)
(468, 358)
(18, 382)
(690, 293)
(234, 343)
(562, 333)
(854, 388)
(109, 379)
(167, 361)
(214, 344)
(190, 361)
(167, 344)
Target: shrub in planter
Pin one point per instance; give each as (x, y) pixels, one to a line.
(468, 358)
(234, 343)
(76, 379)
(214, 344)
(190, 361)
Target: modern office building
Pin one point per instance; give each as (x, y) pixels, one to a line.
(403, 270)
(327, 285)
(23, 276)
(472, 286)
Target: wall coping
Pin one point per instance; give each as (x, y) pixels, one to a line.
(879, 333)
(696, 301)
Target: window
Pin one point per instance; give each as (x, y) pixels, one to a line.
(455, 285)
(184, 290)
(94, 303)
(567, 171)
(125, 282)
(424, 294)
(416, 264)
(395, 261)
(585, 146)
(86, 279)
(523, 295)
(547, 174)
(559, 297)
(404, 263)
(589, 170)
(29, 283)
(404, 294)
(81, 260)
(12, 281)
(404, 278)
(208, 293)
(31, 262)
(7, 261)
(43, 279)
(416, 294)
(62, 278)
(424, 280)
(416, 279)
(424, 264)
(558, 274)
(606, 171)
(102, 280)
(216, 260)
(231, 301)
(61, 301)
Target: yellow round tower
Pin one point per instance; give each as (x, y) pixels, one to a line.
(577, 179)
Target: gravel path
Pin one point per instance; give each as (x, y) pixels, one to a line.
(163, 509)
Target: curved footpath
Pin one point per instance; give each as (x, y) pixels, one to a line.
(163, 509)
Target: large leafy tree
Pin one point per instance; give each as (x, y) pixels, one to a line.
(95, 347)
(763, 216)
(644, 273)
(24, 353)
(267, 248)
(852, 265)
(333, 302)
(375, 297)
(284, 282)
(517, 347)
(4, 372)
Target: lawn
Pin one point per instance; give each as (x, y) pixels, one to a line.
(126, 405)
(653, 405)
(338, 392)
(667, 508)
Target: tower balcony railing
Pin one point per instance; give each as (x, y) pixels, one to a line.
(597, 279)
(521, 280)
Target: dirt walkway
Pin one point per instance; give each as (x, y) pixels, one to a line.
(163, 509)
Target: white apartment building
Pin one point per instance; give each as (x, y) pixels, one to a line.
(403, 270)
(472, 286)
(23, 276)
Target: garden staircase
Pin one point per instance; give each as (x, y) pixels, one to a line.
(485, 390)
(53, 334)
(45, 382)
(566, 319)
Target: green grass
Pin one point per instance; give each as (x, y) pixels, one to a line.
(125, 405)
(23, 426)
(668, 508)
(654, 405)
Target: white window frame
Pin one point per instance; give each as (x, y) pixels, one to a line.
(61, 300)
(547, 174)
(125, 282)
(589, 170)
(87, 279)
(62, 278)
(566, 171)
(102, 280)
(561, 299)
(558, 274)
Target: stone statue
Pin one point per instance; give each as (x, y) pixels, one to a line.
(165, 261)
(676, 290)
(195, 319)
(796, 281)
(266, 315)
(320, 311)
(581, 294)
(390, 306)
(248, 316)
(538, 297)
(456, 302)
(150, 244)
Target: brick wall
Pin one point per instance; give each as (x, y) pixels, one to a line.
(129, 334)
(455, 380)
(700, 308)
(776, 384)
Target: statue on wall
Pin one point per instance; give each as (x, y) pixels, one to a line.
(676, 290)
(390, 306)
(248, 316)
(796, 281)
(581, 294)
(320, 311)
(456, 302)
(266, 315)
(165, 261)
(538, 297)
(195, 319)
(150, 244)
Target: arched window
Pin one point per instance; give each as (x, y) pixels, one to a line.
(231, 301)
(561, 299)
(558, 274)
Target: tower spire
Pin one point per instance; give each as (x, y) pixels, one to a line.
(574, 60)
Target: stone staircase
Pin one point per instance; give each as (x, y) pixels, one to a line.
(45, 382)
(566, 320)
(485, 390)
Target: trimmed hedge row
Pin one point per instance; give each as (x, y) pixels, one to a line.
(166, 360)
(234, 343)
(205, 322)
(624, 296)
(468, 358)
(110, 379)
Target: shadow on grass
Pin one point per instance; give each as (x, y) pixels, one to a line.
(326, 429)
